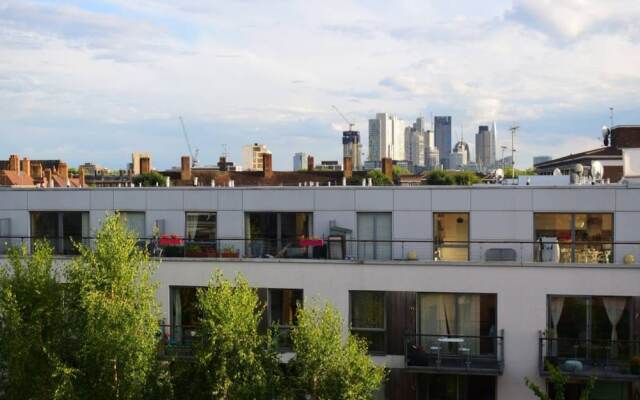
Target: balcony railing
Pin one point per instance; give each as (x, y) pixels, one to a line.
(514, 252)
(583, 358)
(458, 354)
(177, 340)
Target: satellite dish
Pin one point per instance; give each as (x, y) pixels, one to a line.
(605, 131)
(499, 174)
(579, 169)
(557, 172)
(597, 170)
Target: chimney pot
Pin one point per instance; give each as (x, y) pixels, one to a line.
(36, 170)
(387, 167)
(81, 178)
(25, 166)
(347, 169)
(63, 170)
(14, 163)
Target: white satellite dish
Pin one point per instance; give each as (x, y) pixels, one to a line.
(557, 172)
(597, 170)
(579, 168)
(499, 174)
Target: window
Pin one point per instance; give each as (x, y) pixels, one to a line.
(200, 234)
(184, 315)
(272, 234)
(367, 312)
(283, 309)
(451, 236)
(374, 236)
(458, 314)
(135, 222)
(456, 387)
(581, 238)
(61, 229)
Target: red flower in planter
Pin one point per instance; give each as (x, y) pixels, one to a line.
(172, 240)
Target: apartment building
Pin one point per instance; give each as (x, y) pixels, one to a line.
(461, 291)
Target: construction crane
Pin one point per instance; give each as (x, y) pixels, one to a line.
(194, 156)
(351, 124)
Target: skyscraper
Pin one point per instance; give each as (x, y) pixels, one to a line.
(442, 128)
(485, 147)
(300, 161)
(351, 147)
(386, 137)
(414, 142)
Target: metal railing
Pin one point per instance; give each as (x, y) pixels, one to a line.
(478, 355)
(602, 358)
(514, 252)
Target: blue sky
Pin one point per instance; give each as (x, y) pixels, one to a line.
(95, 80)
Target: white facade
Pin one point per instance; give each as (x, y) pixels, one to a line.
(252, 156)
(499, 216)
(386, 137)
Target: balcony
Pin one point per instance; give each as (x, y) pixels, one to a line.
(177, 341)
(470, 355)
(338, 248)
(581, 358)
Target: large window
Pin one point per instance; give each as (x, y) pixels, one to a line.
(135, 222)
(456, 387)
(583, 326)
(184, 315)
(451, 236)
(200, 234)
(283, 309)
(272, 234)
(473, 316)
(367, 317)
(580, 238)
(374, 236)
(62, 229)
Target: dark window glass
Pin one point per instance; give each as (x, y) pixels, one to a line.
(368, 318)
(63, 230)
(283, 308)
(274, 234)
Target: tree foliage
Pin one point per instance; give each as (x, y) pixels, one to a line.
(326, 366)
(463, 178)
(150, 179)
(31, 326)
(233, 360)
(116, 314)
(558, 381)
(378, 178)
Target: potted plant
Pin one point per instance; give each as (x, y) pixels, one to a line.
(634, 365)
(172, 246)
(193, 250)
(229, 251)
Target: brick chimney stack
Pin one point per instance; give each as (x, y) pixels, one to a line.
(63, 170)
(145, 165)
(347, 167)
(222, 164)
(14, 163)
(81, 177)
(25, 166)
(185, 170)
(36, 170)
(267, 165)
(310, 163)
(387, 167)
(47, 176)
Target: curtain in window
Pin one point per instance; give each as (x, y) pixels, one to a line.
(469, 320)
(135, 221)
(192, 226)
(366, 231)
(615, 307)
(383, 232)
(556, 304)
(374, 235)
(177, 327)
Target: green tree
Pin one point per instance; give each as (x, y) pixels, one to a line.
(439, 177)
(232, 359)
(558, 380)
(31, 327)
(378, 178)
(518, 172)
(398, 170)
(150, 179)
(465, 178)
(115, 315)
(326, 366)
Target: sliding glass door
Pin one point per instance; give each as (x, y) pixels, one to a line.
(374, 236)
(276, 234)
(63, 230)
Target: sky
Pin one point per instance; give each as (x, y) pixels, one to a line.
(96, 80)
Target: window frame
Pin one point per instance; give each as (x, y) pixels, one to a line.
(279, 239)
(58, 241)
(354, 330)
(455, 244)
(375, 244)
(283, 327)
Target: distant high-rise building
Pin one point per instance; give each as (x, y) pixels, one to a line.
(431, 157)
(386, 137)
(541, 159)
(252, 156)
(300, 161)
(414, 143)
(351, 147)
(459, 156)
(485, 148)
(442, 128)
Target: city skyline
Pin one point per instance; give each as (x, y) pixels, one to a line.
(97, 80)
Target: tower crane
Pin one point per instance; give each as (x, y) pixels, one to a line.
(194, 156)
(351, 124)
